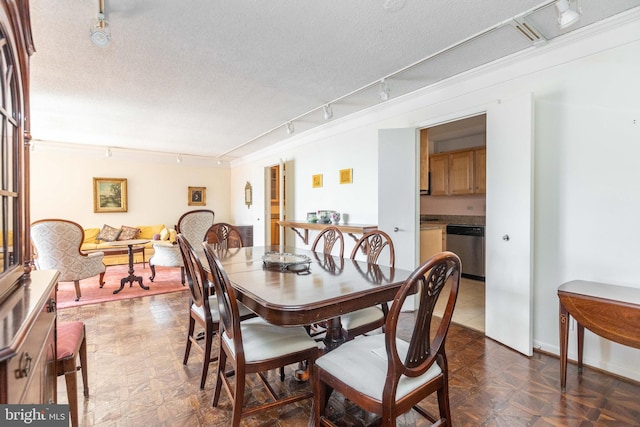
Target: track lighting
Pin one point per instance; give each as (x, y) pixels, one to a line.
(566, 15)
(108, 153)
(383, 93)
(290, 129)
(179, 158)
(100, 32)
(328, 112)
(219, 161)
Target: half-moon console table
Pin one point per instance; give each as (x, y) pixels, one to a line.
(611, 311)
(350, 229)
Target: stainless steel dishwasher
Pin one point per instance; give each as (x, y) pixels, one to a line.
(467, 241)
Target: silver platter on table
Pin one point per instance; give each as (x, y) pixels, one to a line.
(286, 262)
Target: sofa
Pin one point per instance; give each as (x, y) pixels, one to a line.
(96, 239)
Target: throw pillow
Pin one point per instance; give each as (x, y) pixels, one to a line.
(164, 234)
(128, 233)
(108, 233)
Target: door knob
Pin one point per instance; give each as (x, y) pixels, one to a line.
(505, 237)
(395, 229)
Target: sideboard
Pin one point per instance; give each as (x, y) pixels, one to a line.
(350, 229)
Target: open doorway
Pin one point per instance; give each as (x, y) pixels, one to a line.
(453, 192)
(274, 205)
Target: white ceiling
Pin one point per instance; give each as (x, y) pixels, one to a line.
(221, 78)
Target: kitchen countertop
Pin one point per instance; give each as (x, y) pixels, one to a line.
(441, 221)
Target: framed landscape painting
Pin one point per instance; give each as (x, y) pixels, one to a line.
(197, 196)
(109, 194)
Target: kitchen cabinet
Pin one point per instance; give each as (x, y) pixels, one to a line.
(431, 242)
(424, 162)
(458, 172)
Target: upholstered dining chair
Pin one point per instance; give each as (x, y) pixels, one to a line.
(253, 346)
(387, 375)
(203, 307)
(223, 236)
(71, 343)
(57, 247)
(372, 244)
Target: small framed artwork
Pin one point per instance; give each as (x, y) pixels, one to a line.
(316, 181)
(346, 176)
(109, 195)
(197, 196)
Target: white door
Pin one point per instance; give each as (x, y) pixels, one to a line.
(398, 212)
(509, 226)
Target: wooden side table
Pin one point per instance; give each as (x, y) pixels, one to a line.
(610, 311)
(131, 277)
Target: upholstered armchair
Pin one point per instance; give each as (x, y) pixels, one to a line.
(57, 247)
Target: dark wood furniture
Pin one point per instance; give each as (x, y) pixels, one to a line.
(253, 347)
(27, 346)
(245, 231)
(350, 229)
(610, 311)
(329, 237)
(72, 344)
(287, 299)
(27, 299)
(130, 250)
(224, 236)
(121, 251)
(372, 371)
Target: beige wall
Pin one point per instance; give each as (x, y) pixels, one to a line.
(62, 185)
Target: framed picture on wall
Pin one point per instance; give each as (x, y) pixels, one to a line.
(197, 196)
(109, 194)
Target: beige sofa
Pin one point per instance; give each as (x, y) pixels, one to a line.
(151, 232)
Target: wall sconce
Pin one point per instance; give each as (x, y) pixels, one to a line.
(248, 195)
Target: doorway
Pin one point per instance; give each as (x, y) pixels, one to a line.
(274, 205)
(453, 150)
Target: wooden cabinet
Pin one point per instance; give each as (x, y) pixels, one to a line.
(459, 172)
(431, 242)
(424, 162)
(246, 232)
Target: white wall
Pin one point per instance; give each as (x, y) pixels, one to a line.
(587, 129)
(62, 185)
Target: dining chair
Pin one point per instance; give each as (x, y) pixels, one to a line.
(223, 236)
(71, 342)
(372, 244)
(253, 347)
(193, 225)
(387, 375)
(203, 307)
(57, 247)
(329, 237)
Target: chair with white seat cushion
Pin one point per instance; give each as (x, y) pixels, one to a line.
(387, 375)
(253, 346)
(57, 245)
(203, 307)
(372, 244)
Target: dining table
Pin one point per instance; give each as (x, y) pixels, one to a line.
(322, 290)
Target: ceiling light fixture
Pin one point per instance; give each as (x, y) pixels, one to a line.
(328, 112)
(567, 16)
(108, 153)
(383, 93)
(219, 161)
(179, 158)
(290, 129)
(100, 32)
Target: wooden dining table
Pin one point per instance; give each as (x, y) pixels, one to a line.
(331, 287)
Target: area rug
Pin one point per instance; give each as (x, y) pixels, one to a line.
(167, 280)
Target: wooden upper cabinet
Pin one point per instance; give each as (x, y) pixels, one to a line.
(458, 172)
(424, 161)
(439, 168)
(461, 173)
(480, 170)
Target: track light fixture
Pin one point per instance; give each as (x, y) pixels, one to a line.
(100, 32)
(108, 153)
(383, 93)
(219, 161)
(179, 158)
(328, 112)
(290, 129)
(566, 15)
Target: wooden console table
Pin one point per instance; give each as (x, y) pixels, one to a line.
(350, 229)
(611, 311)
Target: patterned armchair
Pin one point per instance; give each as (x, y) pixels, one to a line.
(194, 226)
(57, 245)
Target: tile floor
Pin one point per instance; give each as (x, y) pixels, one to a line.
(469, 309)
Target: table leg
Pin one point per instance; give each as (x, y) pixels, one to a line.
(333, 337)
(131, 277)
(580, 346)
(564, 342)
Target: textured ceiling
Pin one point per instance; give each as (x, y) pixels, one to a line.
(220, 78)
